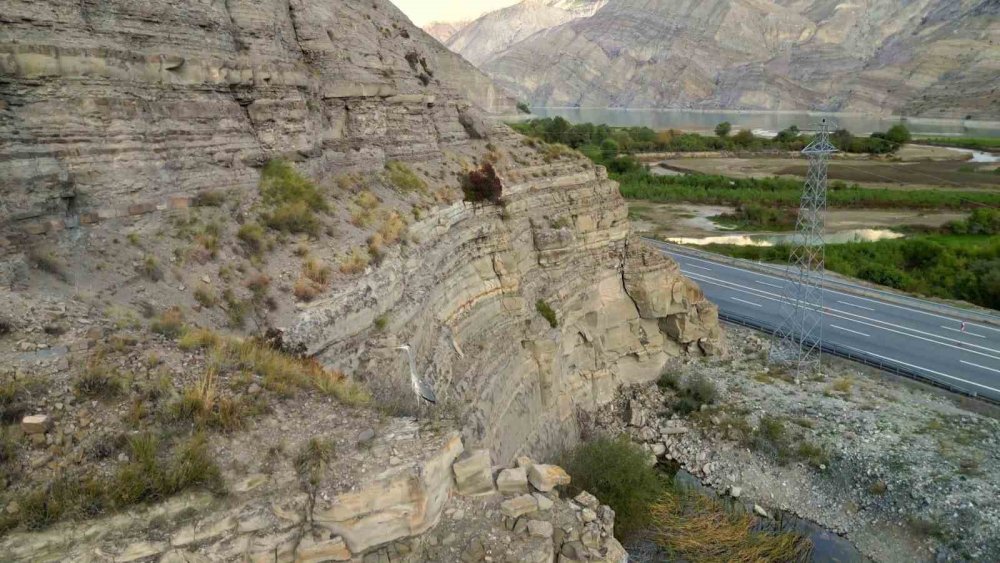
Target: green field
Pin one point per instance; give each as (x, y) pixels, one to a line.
(785, 192)
(975, 143)
(965, 267)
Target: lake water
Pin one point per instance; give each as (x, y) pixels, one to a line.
(764, 121)
(853, 235)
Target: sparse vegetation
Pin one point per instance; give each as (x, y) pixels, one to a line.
(46, 260)
(692, 393)
(98, 380)
(546, 311)
(150, 269)
(293, 217)
(169, 323)
(354, 262)
(401, 176)
(253, 238)
(209, 198)
(153, 473)
(205, 296)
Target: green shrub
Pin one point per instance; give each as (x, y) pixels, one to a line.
(403, 178)
(293, 217)
(169, 323)
(723, 129)
(150, 268)
(483, 185)
(618, 473)
(669, 380)
(281, 184)
(547, 313)
(523, 107)
(253, 238)
(98, 381)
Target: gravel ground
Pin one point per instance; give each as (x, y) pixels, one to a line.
(905, 472)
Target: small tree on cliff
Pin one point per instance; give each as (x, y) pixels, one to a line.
(483, 185)
(723, 129)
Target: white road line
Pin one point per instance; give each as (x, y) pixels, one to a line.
(853, 305)
(965, 347)
(953, 329)
(849, 330)
(769, 284)
(699, 267)
(828, 290)
(747, 302)
(922, 368)
(979, 366)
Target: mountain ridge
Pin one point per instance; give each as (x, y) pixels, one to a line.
(932, 58)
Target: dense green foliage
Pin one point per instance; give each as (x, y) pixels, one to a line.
(616, 472)
(976, 143)
(951, 267)
(523, 107)
(546, 311)
(785, 192)
(590, 139)
(753, 217)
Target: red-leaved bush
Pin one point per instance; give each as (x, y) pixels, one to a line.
(483, 185)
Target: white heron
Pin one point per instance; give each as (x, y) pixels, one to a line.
(421, 388)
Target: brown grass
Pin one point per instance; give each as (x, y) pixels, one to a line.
(392, 228)
(696, 528)
(355, 262)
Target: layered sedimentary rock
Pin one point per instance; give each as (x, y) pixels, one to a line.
(121, 101)
(466, 300)
(926, 57)
(128, 108)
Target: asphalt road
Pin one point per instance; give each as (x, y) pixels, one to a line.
(924, 341)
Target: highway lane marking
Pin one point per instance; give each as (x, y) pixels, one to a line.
(747, 302)
(962, 331)
(944, 339)
(829, 311)
(699, 267)
(828, 290)
(853, 305)
(923, 368)
(849, 330)
(769, 284)
(979, 366)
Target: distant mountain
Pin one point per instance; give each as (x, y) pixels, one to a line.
(494, 32)
(442, 31)
(935, 58)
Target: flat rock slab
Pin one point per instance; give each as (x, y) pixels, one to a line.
(547, 477)
(519, 506)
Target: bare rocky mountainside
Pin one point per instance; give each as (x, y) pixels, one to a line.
(480, 40)
(934, 58)
(219, 220)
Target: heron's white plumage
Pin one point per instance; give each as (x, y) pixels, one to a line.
(420, 387)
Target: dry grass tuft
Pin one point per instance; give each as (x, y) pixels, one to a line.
(169, 323)
(842, 385)
(696, 528)
(392, 228)
(355, 262)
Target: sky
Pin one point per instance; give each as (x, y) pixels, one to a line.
(425, 11)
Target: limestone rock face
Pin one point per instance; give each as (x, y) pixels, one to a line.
(396, 504)
(124, 102)
(473, 474)
(934, 58)
(465, 299)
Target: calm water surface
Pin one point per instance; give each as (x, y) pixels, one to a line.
(853, 235)
(764, 121)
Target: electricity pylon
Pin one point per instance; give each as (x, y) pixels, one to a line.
(798, 342)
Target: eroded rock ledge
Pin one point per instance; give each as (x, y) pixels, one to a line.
(465, 300)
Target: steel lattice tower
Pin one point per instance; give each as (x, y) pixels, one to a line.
(798, 342)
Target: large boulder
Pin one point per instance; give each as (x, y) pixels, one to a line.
(473, 474)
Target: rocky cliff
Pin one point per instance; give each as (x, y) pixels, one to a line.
(934, 58)
(120, 101)
(491, 34)
(442, 31)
